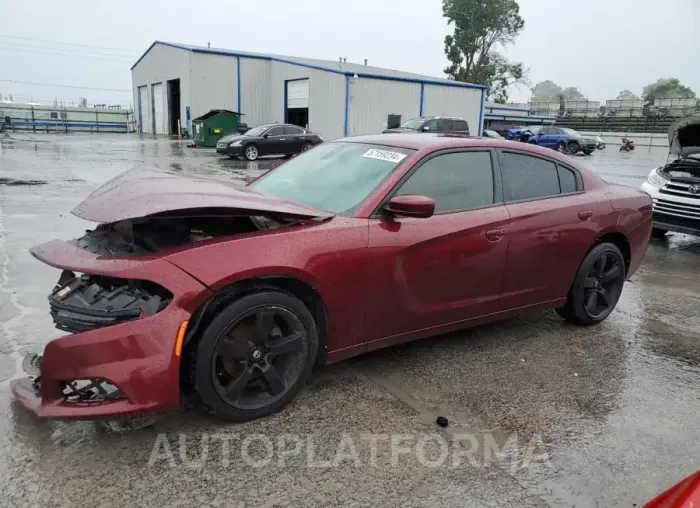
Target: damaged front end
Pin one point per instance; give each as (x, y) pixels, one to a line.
(124, 305)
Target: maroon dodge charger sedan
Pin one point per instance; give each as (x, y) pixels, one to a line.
(194, 290)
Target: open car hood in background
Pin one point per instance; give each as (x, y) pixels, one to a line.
(684, 136)
(140, 192)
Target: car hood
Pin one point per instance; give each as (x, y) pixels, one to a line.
(230, 138)
(140, 192)
(684, 136)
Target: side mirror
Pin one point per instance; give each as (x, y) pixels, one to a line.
(425, 128)
(420, 207)
(266, 136)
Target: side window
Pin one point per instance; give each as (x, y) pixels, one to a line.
(528, 177)
(567, 180)
(430, 125)
(455, 181)
(275, 131)
(556, 131)
(547, 130)
(291, 130)
(460, 125)
(444, 124)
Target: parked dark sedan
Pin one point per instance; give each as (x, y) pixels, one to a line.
(270, 139)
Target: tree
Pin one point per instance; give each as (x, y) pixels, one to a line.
(572, 93)
(481, 29)
(626, 95)
(666, 88)
(546, 91)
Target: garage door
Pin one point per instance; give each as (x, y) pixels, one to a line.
(298, 94)
(144, 110)
(158, 121)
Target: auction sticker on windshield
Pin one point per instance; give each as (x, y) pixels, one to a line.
(385, 155)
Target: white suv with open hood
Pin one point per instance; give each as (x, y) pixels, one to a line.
(675, 187)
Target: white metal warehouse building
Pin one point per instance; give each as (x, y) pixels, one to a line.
(177, 82)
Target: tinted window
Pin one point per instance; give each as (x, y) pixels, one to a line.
(275, 131)
(430, 125)
(456, 181)
(460, 125)
(567, 180)
(547, 130)
(292, 130)
(528, 177)
(444, 124)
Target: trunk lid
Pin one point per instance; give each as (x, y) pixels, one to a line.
(140, 192)
(684, 136)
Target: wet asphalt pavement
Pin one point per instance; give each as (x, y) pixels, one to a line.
(541, 413)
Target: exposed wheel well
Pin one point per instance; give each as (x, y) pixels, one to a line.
(303, 291)
(621, 242)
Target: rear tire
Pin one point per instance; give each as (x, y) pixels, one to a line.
(597, 286)
(561, 147)
(241, 371)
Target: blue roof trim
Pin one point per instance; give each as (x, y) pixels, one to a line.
(480, 127)
(224, 52)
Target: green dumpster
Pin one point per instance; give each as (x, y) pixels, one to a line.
(209, 128)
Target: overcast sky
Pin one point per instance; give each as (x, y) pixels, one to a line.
(599, 46)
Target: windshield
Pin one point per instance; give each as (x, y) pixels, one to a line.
(412, 124)
(334, 177)
(257, 131)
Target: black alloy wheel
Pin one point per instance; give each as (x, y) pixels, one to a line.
(602, 285)
(574, 147)
(255, 355)
(597, 286)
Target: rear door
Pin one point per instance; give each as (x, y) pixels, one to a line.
(446, 268)
(295, 138)
(553, 223)
(444, 125)
(461, 127)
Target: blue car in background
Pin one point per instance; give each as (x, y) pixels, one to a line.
(563, 140)
(523, 133)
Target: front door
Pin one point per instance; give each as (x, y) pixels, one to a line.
(446, 268)
(553, 223)
(273, 141)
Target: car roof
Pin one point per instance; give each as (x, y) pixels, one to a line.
(430, 142)
(437, 117)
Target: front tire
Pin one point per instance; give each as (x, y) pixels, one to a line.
(251, 153)
(587, 152)
(255, 356)
(597, 286)
(307, 146)
(574, 148)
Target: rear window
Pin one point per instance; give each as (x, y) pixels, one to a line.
(567, 180)
(528, 177)
(461, 125)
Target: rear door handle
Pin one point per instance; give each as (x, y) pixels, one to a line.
(495, 235)
(585, 215)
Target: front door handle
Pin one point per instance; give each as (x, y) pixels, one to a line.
(585, 214)
(283, 139)
(495, 235)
